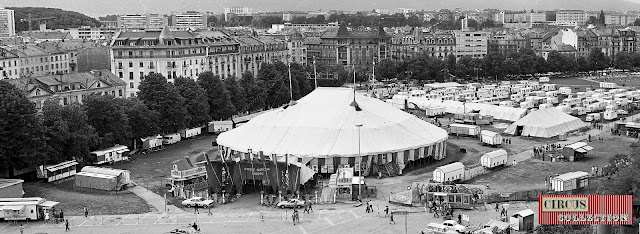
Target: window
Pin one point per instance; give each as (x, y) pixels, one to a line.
(120, 92)
(130, 64)
(141, 75)
(119, 53)
(119, 65)
(120, 75)
(151, 54)
(141, 64)
(140, 53)
(131, 85)
(130, 53)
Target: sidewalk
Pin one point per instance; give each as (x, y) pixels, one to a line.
(155, 200)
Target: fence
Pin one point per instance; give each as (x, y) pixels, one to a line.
(473, 172)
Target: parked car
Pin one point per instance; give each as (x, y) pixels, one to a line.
(622, 112)
(434, 228)
(197, 201)
(290, 204)
(453, 225)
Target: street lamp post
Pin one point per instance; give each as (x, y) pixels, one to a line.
(359, 125)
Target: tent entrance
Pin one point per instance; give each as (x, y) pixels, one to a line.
(253, 186)
(519, 130)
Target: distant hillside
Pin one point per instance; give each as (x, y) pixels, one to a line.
(62, 19)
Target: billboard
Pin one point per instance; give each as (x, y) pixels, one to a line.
(585, 209)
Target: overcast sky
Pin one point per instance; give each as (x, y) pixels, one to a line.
(101, 7)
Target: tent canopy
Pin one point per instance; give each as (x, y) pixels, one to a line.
(546, 123)
(456, 107)
(323, 124)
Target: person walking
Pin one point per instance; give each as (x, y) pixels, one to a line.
(66, 224)
(86, 212)
(367, 208)
(195, 209)
(386, 211)
(460, 218)
(371, 206)
(391, 219)
(22, 227)
(310, 207)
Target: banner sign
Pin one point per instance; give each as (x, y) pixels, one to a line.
(585, 209)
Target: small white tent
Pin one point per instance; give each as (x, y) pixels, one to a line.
(545, 123)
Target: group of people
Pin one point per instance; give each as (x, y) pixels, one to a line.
(506, 141)
(538, 151)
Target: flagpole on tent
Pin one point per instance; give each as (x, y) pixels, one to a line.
(290, 85)
(275, 161)
(264, 166)
(253, 170)
(224, 161)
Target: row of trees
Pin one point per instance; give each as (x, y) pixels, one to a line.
(67, 132)
(496, 65)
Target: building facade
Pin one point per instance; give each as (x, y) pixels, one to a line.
(474, 44)
(7, 23)
(439, 45)
(89, 33)
(70, 88)
(142, 21)
(350, 48)
(188, 21)
(571, 17)
(187, 54)
(619, 19)
(10, 68)
(36, 61)
(297, 48)
(170, 53)
(506, 43)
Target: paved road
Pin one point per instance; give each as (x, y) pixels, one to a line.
(344, 220)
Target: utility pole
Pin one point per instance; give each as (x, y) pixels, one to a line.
(359, 125)
(290, 85)
(315, 73)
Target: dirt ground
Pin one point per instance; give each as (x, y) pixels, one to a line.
(530, 174)
(72, 200)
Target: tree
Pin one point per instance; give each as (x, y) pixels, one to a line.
(21, 132)
(253, 91)
(492, 65)
(623, 60)
(592, 20)
(143, 121)
(195, 102)
(162, 97)
(220, 106)
(597, 60)
(601, 17)
(69, 134)
(236, 94)
(107, 116)
(555, 61)
(272, 77)
(386, 69)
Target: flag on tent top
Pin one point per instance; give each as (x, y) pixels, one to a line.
(261, 156)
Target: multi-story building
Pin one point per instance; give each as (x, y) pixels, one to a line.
(187, 54)
(132, 21)
(36, 61)
(303, 27)
(189, 20)
(604, 40)
(230, 11)
(70, 88)
(356, 47)
(506, 43)
(142, 21)
(571, 17)
(623, 40)
(297, 48)
(439, 45)
(109, 23)
(10, 68)
(7, 23)
(537, 18)
(89, 33)
(84, 56)
(471, 43)
(619, 19)
(587, 39)
(170, 53)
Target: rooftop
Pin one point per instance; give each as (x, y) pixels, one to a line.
(9, 182)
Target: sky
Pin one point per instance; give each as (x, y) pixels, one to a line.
(96, 8)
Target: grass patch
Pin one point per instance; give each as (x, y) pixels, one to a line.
(99, 202)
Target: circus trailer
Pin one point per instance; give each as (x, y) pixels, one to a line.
(219, 126)
(57, 172)
(113, 154)
(435, 111)
(570, 181)
(151, 144)
(449, 172)
(576, 151)
(464, 130)
(543, 79)
(190, 132)
(522, 220)
(32, 208)
(494, 158)
(565, 90)
(490, 138)
(171, 139)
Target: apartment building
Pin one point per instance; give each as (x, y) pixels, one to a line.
(7, 23)
(36, 61)
(471, 43)
(188, 21)
(571, 17)
(439, 45)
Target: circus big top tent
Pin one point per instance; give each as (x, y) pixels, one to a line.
(545, 123)
(321, 131)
